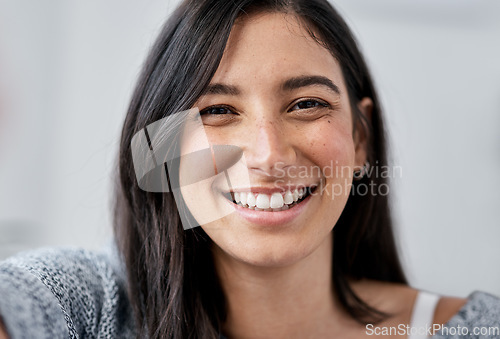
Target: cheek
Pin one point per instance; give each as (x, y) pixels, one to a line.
(331, 146)
(192, 141)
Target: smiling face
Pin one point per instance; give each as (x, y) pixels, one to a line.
(281, 98)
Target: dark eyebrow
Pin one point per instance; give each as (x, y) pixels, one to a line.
(221, 89)
(288, 85)
(309, 80)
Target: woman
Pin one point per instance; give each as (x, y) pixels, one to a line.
(289, 245)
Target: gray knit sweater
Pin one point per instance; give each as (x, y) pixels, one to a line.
(61, 293)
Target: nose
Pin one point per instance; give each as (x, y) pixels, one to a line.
(270, 148)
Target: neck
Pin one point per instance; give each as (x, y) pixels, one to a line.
(292, 301)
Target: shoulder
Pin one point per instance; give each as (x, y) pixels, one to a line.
(480, 310)
(394, 299)
(47, 263)
(66, 290)
(399, 299)
(447, 307)
(390, 297)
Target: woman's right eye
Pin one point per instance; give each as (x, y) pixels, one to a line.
(217, 115)
(216, 110)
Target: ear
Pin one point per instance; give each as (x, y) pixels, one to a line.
(361, 136)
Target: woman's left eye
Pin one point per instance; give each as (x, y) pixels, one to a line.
(308, 103)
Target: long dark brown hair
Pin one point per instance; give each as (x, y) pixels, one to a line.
(172, 284)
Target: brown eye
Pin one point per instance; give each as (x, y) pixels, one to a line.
(307, 104)
(217, 115)
(216, 110)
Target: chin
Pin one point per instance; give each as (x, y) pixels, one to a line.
(267, 253)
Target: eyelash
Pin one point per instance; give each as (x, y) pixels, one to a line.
(212, 110)
(216, 109)
(317, 103)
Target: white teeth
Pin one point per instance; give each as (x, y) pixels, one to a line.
(276, 200)
(243, 198)
(262, 201)
(250, 199)
(288, 198)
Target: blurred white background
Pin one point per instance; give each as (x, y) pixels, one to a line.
(67, 69)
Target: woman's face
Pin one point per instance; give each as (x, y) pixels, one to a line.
(281, 98)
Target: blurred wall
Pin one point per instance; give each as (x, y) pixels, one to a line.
(436, 64)
(67, 72)
(67, 69)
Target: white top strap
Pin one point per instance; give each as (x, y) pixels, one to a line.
(423, 314)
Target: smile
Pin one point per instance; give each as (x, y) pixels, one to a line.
(275, 202)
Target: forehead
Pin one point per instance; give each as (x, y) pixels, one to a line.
(274, 44)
